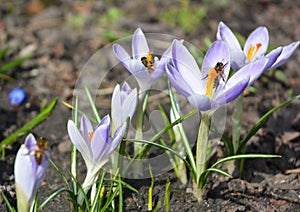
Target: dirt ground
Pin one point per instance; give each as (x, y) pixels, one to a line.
(63, 35)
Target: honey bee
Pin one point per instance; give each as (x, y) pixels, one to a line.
(148, 62)
(216, 72)
(219, 68)
(42, 146)
(213, 76)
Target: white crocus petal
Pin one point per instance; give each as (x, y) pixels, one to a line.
(78, 141)
(23, 164)
(200, 102)
(139, 44)
(116, 107)
(129, 106)
(118, 136)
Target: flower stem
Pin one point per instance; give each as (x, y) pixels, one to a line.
(237, 118)
(201, 153)
(141, 107)
(74, 151)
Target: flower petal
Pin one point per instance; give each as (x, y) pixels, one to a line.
(129, 107)
(86, 128)
(178, 82)
(286, 53)
(123, 56)
(200, 102)
(259, 36)
(185, 63)
(272, 56)
(118, 136)
(116, 107)
(218, 52)
(224, 33)
(254, 70)
(30, 142)
(99, 144)
(237, 59)
(24, 174)
(126, 87)
(232, 92)
(139, 44)
(78, 141)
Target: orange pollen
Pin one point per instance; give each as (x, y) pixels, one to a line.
(212, 75)
(252, 51)
(149, 57)
(91, 135)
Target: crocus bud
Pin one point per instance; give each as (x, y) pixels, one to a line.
(31, 163)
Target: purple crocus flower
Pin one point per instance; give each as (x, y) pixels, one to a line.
(255, 48)
(17, 96)
(211, 87)
(123, 104)
(31, 163)
(142, 66)
(96, 145)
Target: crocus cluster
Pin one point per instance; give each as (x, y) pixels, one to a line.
(31, 163)
(210, 87)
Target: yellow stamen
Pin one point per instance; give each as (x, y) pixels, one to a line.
(252, 51)
(212, 75)
(149, 57)
(91, 135)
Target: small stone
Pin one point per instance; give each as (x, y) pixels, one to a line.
(64, 147)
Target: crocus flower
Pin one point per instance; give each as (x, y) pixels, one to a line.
(17, 96)
(95, 146)
(30, 166)
(142, 66)
(211, 87)
(123, 104)
(255, 48)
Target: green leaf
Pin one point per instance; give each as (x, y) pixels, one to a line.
(7, 78)
(167, 195)
(13, 63)
(150, 192)
(55, 194)
(8, 205)
(165, 148)
(204, 175)
(244, 156)
(3, 52)
(237, 118)
(98, 192)
(44, 114)
(185, 140)
(92, 103)
(261, 122)
(60, 173)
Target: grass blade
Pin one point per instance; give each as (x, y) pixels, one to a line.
(167, 196)
(45, 113)
(8, 205)
(92, 103)
(13, 64)
(262, 121)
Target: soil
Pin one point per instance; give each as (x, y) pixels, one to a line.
(63, 35)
